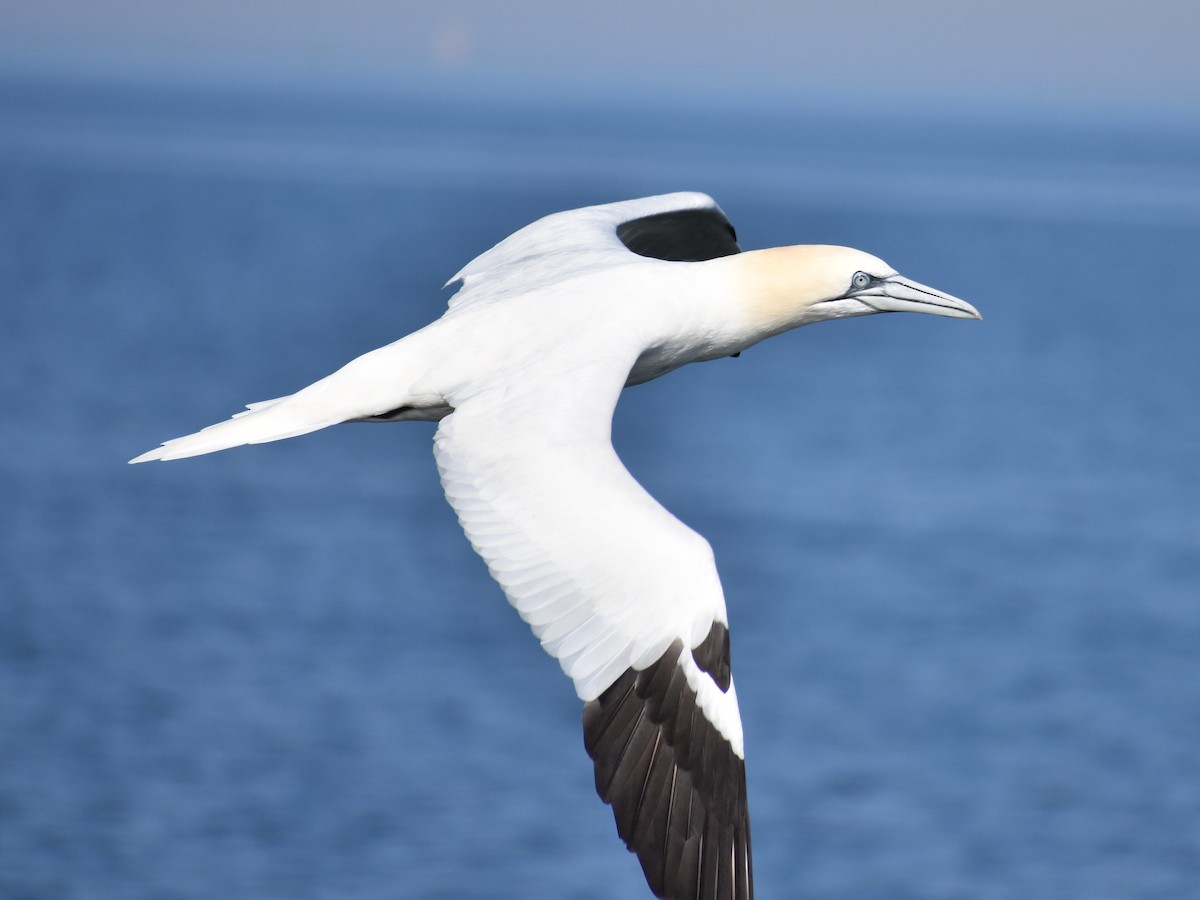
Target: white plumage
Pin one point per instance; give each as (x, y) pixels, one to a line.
(524, 371)
(605, 576)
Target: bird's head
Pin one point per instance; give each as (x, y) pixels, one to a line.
(785, 287)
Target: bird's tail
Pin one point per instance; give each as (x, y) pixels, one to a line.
(269, 420)
(374, 385)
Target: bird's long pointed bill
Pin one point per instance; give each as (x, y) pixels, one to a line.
(899, 294)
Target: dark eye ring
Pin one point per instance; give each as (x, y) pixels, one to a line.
(860, 280)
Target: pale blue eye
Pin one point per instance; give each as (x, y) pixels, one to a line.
(860, 280)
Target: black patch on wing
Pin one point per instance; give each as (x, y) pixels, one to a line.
(712, 655)
(687, 235)
(677, 789)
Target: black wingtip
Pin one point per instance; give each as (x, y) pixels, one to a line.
(676, 786)
(686, 235)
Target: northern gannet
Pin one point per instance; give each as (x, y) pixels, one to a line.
(523, 371)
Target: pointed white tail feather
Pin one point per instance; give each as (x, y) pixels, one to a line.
(374, 383)
(270, 420)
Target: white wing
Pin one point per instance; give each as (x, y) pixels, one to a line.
(625, 596)
(563, 244)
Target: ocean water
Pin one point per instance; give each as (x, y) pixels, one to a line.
(962, 559)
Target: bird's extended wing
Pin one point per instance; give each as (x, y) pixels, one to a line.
(626, 597)
(681, 226)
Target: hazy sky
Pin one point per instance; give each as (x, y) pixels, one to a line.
(1107, 54)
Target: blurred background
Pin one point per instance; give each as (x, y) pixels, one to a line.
(962, 559)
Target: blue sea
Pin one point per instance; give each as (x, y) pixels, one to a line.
(962, 559)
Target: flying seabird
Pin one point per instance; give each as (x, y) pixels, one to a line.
(523, 371)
